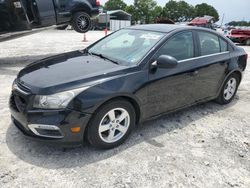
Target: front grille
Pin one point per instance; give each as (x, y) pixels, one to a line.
(23, 87)
(17, 103)
(20, 103)
(13, 103)
(20, 97)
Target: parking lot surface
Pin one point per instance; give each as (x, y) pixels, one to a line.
(203, 146)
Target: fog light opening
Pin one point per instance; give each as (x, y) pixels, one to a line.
(49, 131)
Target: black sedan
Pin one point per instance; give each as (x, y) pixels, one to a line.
(101, 93)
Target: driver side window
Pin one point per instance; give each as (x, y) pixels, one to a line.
(180, 46)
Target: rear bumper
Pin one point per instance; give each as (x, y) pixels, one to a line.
(55, 125)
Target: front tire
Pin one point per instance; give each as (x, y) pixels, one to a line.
(111, 124)
(229, 89)
(81, 22)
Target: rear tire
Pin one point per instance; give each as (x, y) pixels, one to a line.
(81, 22)
(111, 124)
(229, 89)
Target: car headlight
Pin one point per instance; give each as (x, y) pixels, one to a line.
(57, 100)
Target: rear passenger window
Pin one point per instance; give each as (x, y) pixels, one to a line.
(180, 46)
(223, 45)
(209, 43)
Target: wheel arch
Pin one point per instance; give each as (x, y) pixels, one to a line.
(130, 99)
(82, 7)
(237, 71)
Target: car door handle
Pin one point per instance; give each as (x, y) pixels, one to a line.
(194, 73)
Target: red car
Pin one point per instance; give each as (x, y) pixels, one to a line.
(206, 21)
(240, 36)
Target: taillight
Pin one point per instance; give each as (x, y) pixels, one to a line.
(98, 3)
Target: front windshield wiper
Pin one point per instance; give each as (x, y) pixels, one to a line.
(86, 51)
(103, 57)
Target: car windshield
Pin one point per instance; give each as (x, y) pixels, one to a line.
(126, 46)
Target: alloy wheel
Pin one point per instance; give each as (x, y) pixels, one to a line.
(114, 125)
(83, 22)
(230, 88)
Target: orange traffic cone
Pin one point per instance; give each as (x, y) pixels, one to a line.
(106, 31)
(84, 38)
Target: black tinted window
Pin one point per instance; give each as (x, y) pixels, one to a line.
(209, 43)
(223, 45)
(179, 46)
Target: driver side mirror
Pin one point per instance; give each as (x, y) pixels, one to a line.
(165, 62)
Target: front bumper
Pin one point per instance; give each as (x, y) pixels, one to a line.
(51, 126)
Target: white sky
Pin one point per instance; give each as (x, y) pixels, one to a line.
(233, 9)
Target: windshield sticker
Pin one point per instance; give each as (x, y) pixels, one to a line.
(150, 36)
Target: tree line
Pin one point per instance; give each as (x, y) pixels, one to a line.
(147, 11)
(239, 23)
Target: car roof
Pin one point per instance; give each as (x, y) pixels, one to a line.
(167, 28)
(164, 28)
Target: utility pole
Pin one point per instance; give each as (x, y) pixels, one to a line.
(222, 20)
(106, 22)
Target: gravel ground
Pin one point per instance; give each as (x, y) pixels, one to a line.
(203, 146)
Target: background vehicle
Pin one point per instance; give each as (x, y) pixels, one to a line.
(130, 76)
(16, 15)
(241, 36)
(206, 21)
(162, 20)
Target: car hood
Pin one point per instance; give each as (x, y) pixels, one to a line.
(66, 71)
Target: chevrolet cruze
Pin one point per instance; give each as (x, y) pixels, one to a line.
(101, 93)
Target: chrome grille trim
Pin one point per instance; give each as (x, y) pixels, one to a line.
(33, 128)
(17, 88)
